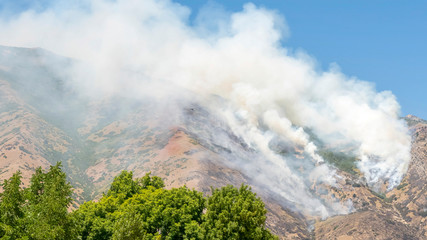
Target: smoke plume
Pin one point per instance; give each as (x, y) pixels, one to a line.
(271, 94)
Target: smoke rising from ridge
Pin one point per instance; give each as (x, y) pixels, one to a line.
(148, 48)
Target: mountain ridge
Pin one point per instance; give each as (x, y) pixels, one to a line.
(96, 143)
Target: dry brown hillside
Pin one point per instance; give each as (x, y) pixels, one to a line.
(43, 121)
(399, 214)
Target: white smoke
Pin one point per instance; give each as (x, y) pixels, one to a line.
(141, 48)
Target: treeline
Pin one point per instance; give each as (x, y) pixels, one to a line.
(131, 209)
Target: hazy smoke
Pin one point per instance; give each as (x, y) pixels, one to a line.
(149, 48)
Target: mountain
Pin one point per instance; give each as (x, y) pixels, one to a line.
(398, 214)
(44, 118)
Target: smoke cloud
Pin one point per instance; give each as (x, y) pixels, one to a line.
(271, 94)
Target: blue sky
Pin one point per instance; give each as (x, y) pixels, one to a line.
(384, 42)
(381, 41)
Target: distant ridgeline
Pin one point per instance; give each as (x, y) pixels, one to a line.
(131, 209)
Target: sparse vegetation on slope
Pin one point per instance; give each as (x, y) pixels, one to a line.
(340, 160)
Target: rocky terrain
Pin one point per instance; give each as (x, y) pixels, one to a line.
(42, 121)
(397, 214)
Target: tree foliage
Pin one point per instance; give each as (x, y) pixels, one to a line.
(11, 207)
(131, 209)
(235, 214)
(49, 199)
(159, 213)
(40, 211)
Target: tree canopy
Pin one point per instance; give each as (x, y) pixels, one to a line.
(138, 208)
(40, 211)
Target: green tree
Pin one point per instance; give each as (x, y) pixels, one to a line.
(124, 186)
(11, 207)
(36, 189)
(159, 213)
(131, 209)
(235, 214)
(97, 219)
(148, 181)
(49, 197)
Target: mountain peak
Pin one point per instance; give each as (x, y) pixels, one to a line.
(413, 120)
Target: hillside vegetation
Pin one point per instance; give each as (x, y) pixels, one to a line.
(131, 209)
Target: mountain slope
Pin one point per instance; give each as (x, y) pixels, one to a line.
(398, 214)
(44, 119)
(27, 141)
